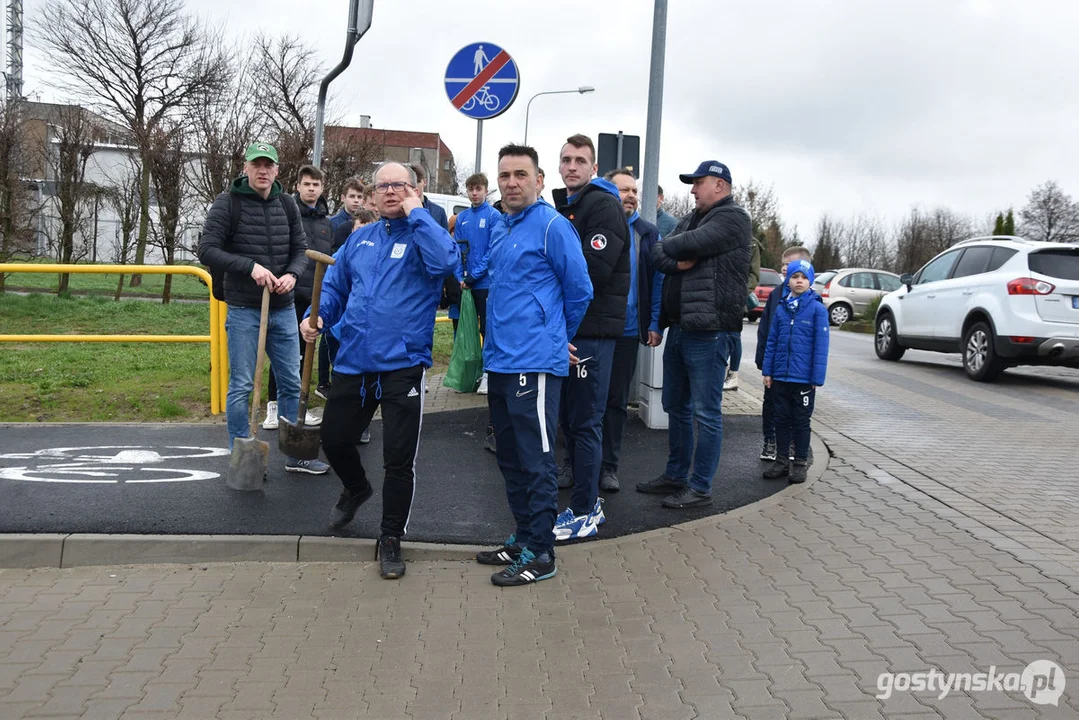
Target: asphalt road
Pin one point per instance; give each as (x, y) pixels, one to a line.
(168, 479)
(1007, 445)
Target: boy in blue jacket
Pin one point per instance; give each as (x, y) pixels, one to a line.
(795, 363)
(764, 325)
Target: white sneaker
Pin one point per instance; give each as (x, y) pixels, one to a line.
(731, 383)
(312, 419)
(270, 423)
(482, 390)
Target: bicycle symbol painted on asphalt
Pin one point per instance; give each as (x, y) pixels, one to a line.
(110, 464)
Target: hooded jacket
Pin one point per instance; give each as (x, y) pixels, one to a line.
(264, 235)
(539, 292)
(473, 233)
(381, 294)
(644, 235)
(797, 350)
(711, 295)
(596, 213)
(319, 233)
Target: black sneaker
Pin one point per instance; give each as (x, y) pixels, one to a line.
(527, 569)
(780, 468)
(798, 471)
(389, 552)
(768, 452)
(608, 482)
(505, 555)
(662, 485)
(323, 391)
(489, 441)
(687, 498)
(347, 505)
(365, 436)
(565, 477)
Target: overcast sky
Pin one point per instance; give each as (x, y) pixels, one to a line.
(843, 106)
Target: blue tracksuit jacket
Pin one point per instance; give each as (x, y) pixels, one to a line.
(539, 292)
(381, 295)
(473, 233)
(797, 349)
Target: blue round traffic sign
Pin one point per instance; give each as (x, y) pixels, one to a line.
(482, 80)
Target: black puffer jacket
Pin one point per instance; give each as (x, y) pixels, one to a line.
(597, 215)
(711, 295)
(319, 232)
(264, 236)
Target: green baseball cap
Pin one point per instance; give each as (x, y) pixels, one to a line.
(260, 150)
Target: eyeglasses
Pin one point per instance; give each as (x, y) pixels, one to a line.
(383, 188)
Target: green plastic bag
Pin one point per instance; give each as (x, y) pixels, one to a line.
(466, 360)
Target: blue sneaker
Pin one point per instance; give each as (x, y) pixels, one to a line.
(568, 526)
(526, 569)
(311, 467)
(597, 512)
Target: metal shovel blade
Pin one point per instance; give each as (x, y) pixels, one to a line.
(248, 463)
(296, 440)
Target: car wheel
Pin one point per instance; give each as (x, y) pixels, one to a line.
(886, 342)
(752, 318)
(980, 359)
(838, 313)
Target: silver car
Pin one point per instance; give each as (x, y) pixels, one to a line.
(848, 292)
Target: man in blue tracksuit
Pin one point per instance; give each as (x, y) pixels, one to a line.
(539, 293)
(380, 299)
(642, 325)
(795, 365)
(595, 209)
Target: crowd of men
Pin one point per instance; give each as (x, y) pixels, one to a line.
(566, 294)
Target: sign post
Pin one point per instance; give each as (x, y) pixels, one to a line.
(482, 82)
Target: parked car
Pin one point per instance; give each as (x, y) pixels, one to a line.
(770, 280)
(452, 204)
(1000, 301)
(848, 292)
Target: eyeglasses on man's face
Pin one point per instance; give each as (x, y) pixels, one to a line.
(397, 187)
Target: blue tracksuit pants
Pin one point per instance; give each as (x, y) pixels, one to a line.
(524, 413)
(584, 401)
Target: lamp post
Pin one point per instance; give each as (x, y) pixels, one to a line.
(582, 90)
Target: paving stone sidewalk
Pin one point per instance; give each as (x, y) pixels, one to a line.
(787, 609)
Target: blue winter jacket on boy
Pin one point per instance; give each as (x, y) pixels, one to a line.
(797, 349)
(539, 293)
(381, 295)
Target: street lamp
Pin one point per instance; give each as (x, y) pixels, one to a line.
(582, 90)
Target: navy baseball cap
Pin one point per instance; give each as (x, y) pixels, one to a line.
(709, 167)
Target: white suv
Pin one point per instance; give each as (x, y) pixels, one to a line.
(1000, 301)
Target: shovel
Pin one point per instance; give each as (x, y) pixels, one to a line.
(250, 456)
(295, 439)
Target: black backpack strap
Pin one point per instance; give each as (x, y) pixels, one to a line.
(234, 216)
(292, 212)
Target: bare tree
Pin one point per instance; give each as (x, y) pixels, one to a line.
(139, 61)
(348, 154)
(1050, 215)
(865, 243)
(288, 72)
(69, 143)
(167, 159)
(763, 207)
(123, 197)
(921, 236)
(678, 204)
(17, 210)
(222, 122)
(831, 235)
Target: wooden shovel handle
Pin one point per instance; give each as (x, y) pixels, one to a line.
(264, 321)
(321, 262)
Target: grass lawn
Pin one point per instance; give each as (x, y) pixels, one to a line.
(114, 382)
(183, 286)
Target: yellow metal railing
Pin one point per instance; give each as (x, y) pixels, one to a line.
(219, 361)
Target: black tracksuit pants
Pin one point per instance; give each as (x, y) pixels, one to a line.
(352, 403)
(793, 403)
(623, 366)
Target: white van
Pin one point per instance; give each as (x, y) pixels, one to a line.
(452, 204)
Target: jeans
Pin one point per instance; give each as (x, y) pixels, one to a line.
(694, 367)
(283, 348)
(734, 351)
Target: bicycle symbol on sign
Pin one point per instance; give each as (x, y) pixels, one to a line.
(484, 97)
